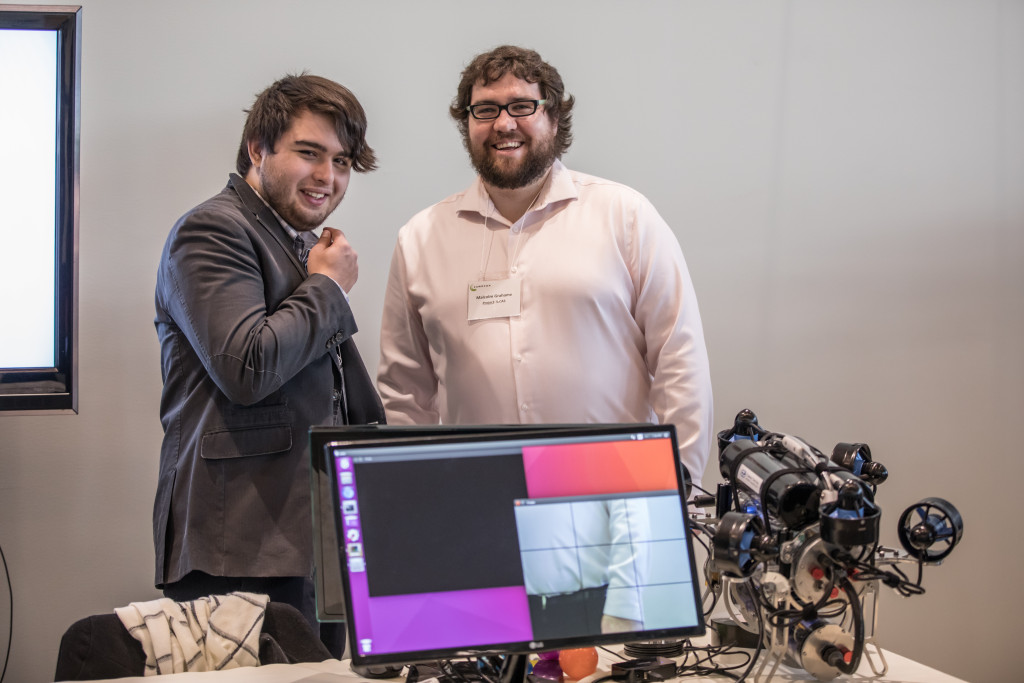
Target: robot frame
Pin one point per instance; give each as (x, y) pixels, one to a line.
(794, 548)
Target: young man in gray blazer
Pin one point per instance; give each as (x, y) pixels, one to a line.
(256, 333)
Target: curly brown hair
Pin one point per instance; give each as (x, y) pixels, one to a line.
(524, 64)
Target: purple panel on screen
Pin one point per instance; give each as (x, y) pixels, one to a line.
(428, 621)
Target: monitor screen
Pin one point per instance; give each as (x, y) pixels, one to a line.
(502, 542)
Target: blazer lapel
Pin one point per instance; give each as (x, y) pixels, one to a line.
(264, 217)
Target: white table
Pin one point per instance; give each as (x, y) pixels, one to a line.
(901, 669)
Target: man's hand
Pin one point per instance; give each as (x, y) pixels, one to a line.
(334, 257)
(610, 624)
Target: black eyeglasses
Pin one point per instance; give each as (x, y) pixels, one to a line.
(487, 112)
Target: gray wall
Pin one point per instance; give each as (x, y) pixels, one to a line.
(845, 179)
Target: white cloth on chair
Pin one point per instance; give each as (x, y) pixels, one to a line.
(208, 634)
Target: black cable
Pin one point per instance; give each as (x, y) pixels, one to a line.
(704, 660)
(792, 617)
(703, 543)
(858, 627)
(714, 602)
(760, 640)
(701, 489)
(894, 579)
(449, 670)
(706, 529)
(806, 610)
(698, 668)
(483, 663)
(10, 614)
(613, 652)
(697, 536)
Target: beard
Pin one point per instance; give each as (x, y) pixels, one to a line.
(510, 176)
(280, 194)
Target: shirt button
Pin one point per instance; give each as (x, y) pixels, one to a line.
(523, 407)
(513, 269)
(519, 359)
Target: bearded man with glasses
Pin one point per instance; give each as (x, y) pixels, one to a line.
(540, 294)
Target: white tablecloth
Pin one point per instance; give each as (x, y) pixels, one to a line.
(901, 669)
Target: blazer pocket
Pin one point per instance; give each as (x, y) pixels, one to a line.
(238, 443)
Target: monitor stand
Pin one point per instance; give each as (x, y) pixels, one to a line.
(513, 670)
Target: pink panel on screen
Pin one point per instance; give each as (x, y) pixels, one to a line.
(597, 468)
(427, 621)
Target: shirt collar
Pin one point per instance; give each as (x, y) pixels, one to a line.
(559, 187)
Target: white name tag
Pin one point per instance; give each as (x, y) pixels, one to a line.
(494, 299)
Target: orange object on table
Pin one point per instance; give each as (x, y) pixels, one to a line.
(578, 662)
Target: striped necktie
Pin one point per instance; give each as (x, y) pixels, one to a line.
(304, 241)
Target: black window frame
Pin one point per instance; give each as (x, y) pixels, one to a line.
(55, 389)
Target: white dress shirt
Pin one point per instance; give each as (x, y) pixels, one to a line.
(570, 546)
(608, 329)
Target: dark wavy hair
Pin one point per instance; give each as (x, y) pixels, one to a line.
(527, 65)
(276, 107)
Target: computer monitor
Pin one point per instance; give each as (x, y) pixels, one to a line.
(512, 541)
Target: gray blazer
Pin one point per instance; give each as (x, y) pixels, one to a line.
(252, 352)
